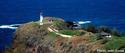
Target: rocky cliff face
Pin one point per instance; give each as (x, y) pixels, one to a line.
(33, 38)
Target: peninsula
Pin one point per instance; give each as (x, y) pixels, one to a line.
(55, 35)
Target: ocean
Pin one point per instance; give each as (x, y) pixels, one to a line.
(100, 12)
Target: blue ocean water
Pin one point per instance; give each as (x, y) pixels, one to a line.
(101, 12)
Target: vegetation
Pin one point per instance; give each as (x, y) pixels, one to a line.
(112, 43)
(115, 32)
(71, 32)
(104, 29)
(52, 34)
(35, 23)
(60, 25)
(115, 43)
(57, 23)
(93, 38)
(31, 35)
(91, 28)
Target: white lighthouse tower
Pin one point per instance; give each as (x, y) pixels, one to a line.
(41, 19)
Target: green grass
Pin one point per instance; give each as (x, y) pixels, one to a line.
(115, 43)
(70, 32)
(35, 23)
(52, 34)
(93, 38)
(57, 23)
(45, 20)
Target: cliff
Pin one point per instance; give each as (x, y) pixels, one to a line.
(33, 38)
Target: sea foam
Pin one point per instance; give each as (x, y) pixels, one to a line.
(12, 26)
(84, 22)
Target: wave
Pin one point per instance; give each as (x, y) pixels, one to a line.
(84, 22)
(12, 26)
(15, 26)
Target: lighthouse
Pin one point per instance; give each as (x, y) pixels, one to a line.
(41, 19)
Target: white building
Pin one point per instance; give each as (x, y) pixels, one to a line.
(41, 19)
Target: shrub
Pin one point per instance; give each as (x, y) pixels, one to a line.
(91, 28)
(69, 24)
(115, 32)
(104, 29)
(59, 25)
(96, 37)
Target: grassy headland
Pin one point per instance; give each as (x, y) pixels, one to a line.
(34, 38)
